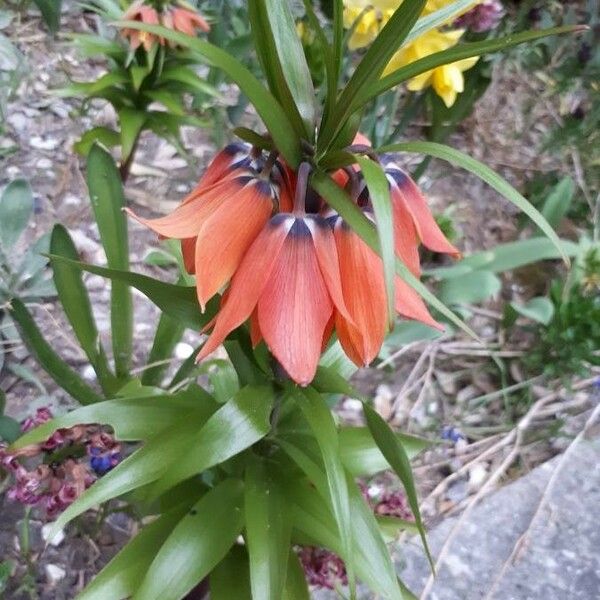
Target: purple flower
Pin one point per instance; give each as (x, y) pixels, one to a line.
(322, 567)
(394, 504)
(483, 17)
(42, 415)
(452, 434)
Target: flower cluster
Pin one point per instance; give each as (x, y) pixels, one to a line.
(326, 569)
(367, 17)
(169, 15)
(289, 264)
(322, 567)
(53, 474)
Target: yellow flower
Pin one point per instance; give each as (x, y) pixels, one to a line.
(448, 80)
(370, 16)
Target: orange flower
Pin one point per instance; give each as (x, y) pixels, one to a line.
(219, 220)
(138, 11)
(413, 219)
(178, 19)
(363, 287)
(289, 282)
(184, 20)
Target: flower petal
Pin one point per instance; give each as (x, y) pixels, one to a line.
(187, 219)
(248, 281)
(226, 235)
(188, 251)
(410, 305)
(295, 307)
(364, 292)
(405, 234)
(428, 230)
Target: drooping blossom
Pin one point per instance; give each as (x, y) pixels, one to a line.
(222, 216)
(393, 503)
(290, 280)
(171, 16)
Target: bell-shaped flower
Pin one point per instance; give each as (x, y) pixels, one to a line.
(413, 221)
(220, 221)
(289, 283)
(143, 13)
(363, 288)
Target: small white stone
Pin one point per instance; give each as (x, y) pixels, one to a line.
(88, 373)
(44, 163)
(353, 405)
(57, 540)
(42, 144)
(477, 475)
(55, 574)
(71, 200)
(183, 350)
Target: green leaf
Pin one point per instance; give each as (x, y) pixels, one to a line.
(341, 202)
(470, 288)
(132, 419)
(108, 201)
(321, 422)
(539, 309)
(171, 101)
(399, 461)
(270, 111)
(124, 574)
(50, 10)
(76, 304)
(95, 88)
(236, 426)
(178, 301)
(437, 18)
(185, 75)
(138, 74)
(268, 531)
(131, 123)
(57, 368)
(282, 56)
(363, 458)
(507, 257)
(559, 201)
(371, 66)
(168, 333)
(16, 206)
(196, 545)
(10, 429)
(102, 135)
(459, 52)
(224, 586)
(486, 174)
(379, 192)
(296, 587)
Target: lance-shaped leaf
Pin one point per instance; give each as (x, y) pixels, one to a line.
(296, 587)
(442, 16)
(197, 544)
(398, 459)
(236, 426)
(486, 174)
(284, 63)
(371, 66)
(321, 422)
(124, 574)
(269, 110)
(55, 366)
(379, 193)
(180, 302)
(16, 206)
(225, 587)
(459, 52)
(76, 304)
(108, 201)
(339, 200)
(132, 419)
(168, 333)
(268, 531)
